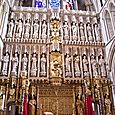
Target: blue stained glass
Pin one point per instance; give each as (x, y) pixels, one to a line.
(40, 3)
(54, 3)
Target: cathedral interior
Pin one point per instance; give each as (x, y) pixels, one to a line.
(54, 57)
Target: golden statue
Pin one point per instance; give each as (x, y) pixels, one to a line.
(107, 105)
(79, 105)
(32, 106)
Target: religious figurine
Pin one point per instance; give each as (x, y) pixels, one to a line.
(85, 65)
(11, 95)
(24, 63)
(77, 65)
(10, 28)
(44, 29)
(89, 32)
(32, 106)
(43, 65)
(66, 29)
(74, 31)
(94, 66)
(54, 68)
(19, 28)
(2, 97)
(15, 61)
(68, 65)
(80, 105)
(35, 29)
(97, 33)
(102, 65)
(27, 28)
(34, 65)
(81, 27)
(107, 105)
(5, 64)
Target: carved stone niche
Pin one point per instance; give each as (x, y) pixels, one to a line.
(34, 65)
(77, 65)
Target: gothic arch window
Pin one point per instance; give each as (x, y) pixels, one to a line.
(3, 14)
(27, 3)
(112, 11)
(86, 5)
(109, 24)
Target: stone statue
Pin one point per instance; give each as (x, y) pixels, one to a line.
(34, 65)
(43, 65)
(24, 63)
(5, 64)
(19, 28)
(35, 29)
(44, 29)
(10, 28)
(74, 31)
(85, 65)
(89, 32)
(80, 106)
(66, 29)
(97, 33)
(32, 106)
(102, 65)
(27, 28)
(107, 105)
(15, 61)
(82, 35)
(68, 65)
(77, 65)
(94, 66)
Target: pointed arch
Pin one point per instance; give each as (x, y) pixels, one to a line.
(109, 24)
(112, 11)
(86, 5)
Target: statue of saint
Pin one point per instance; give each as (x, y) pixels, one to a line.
(19, 28)
(77, 65)
(43, 65)
(44, 29)
(35, 29)
(94, 66)
(107, 105)
(66, 29)
(81, 27)
(24, 63)
(5, 64)
(97, 33)
(11, 95)
(89, 5)
(80, 106)
(54, 68)
(68, 65)
(74, 31)
(85, 65)
(15, 61)
(34, 65)
(32, 106)
(102, 64)
(27, 28)
(89, 32)
(10, 28)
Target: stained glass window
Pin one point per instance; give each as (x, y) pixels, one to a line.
(68, 4)
(40, 3)
(54, 3)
